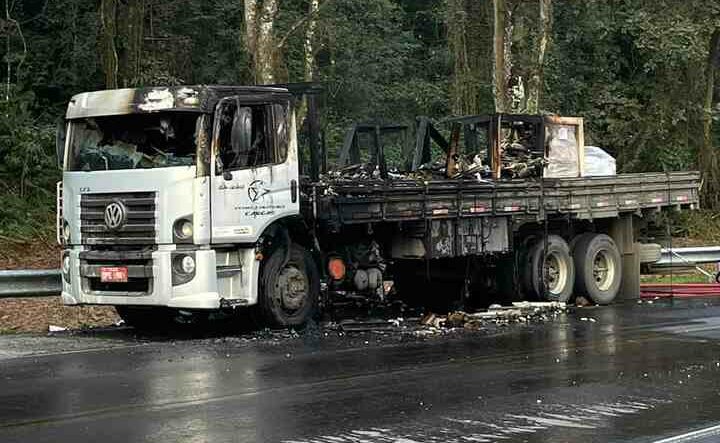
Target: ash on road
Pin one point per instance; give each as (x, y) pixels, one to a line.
(633, 372)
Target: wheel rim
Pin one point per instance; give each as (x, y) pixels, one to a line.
(603, 270)
(291, 289)
(555, 273)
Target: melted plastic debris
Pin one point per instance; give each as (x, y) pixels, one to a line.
(432, 323)
(520, 312)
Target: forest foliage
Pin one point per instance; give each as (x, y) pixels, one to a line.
(641, 72)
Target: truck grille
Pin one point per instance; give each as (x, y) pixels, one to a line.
(138, 227)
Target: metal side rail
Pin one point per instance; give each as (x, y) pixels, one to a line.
(30, 283)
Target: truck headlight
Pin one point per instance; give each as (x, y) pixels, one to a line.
(66, 232)
(183, 229)
(183, 267)
(188, 264)
(65, 264)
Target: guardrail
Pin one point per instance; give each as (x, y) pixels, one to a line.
(688, 258)
(44, 282)
(34, 283)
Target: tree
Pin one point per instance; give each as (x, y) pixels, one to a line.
(309, 43)
(108, 24)
(260, 19)
(121, 41)
(131, 49)
(536, 84)
(708, 159)
(469, 37)
(501, 61)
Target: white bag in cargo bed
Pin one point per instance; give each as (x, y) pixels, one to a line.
(598, 163)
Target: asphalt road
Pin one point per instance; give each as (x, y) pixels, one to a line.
(635, 372)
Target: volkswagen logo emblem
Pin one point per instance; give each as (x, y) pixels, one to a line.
(115, 214)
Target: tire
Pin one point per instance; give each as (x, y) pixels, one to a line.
(146, 318)
(525, 269)
(289, 291)
(599, 267)
(555, 264)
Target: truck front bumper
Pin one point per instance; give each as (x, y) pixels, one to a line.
(154, 280)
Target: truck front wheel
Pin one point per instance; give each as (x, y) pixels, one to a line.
(289, 287)
(598, 263)
(550, 272)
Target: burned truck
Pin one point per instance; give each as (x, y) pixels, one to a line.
(200, 199)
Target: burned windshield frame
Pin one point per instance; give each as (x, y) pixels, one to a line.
(203, 137)
(135, 141)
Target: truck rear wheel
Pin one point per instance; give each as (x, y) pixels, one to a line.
(289, 287)
(550, 273)
(598, 263)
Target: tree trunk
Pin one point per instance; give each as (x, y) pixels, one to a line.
(266, 53)
(308, 55)
(250, 17)
(309, 59)
(708, 157)
(461, 90)
(536, 82)
(469, 25)
(131, 58)
(260, 39)
(501, 49)
(108, 31)
(514, 93)
(122, 22)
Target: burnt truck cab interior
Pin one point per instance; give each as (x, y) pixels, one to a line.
(158, 127)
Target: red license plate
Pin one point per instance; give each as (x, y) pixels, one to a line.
(114, 274)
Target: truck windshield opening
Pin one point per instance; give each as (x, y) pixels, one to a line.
(133, 141)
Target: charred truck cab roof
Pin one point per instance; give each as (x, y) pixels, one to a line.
(198, 98)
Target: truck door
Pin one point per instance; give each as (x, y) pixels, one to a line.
(254, 173)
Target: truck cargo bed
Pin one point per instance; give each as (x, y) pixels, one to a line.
(349, 202)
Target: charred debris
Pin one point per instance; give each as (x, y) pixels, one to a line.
(430, 323)
(483, 148)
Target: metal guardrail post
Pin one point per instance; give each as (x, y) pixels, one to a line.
(30, 283)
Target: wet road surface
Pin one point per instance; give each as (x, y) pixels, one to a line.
(633, 372)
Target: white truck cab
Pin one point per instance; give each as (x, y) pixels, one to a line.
(167, 192)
